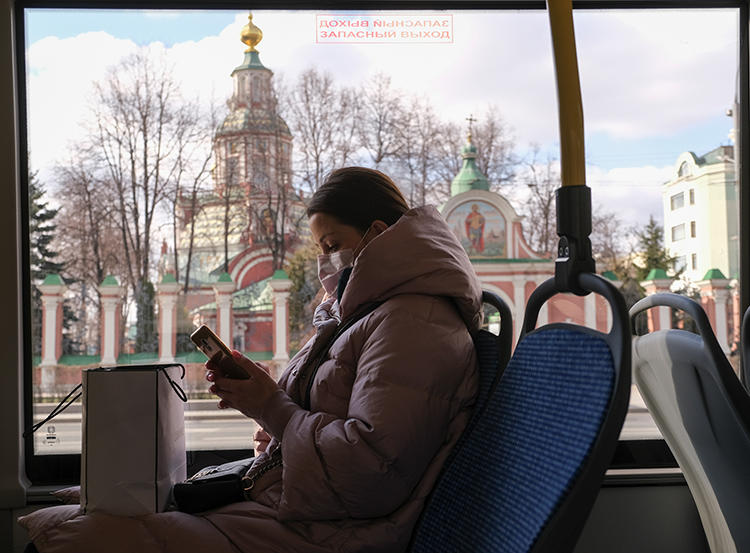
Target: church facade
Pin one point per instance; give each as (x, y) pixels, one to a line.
(491, 232)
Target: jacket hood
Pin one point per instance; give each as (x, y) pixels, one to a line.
(419, 254)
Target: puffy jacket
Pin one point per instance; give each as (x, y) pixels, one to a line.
(386, 406)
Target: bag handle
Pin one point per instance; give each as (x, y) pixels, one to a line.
(62, 406)
(176, 387)
(67, 401)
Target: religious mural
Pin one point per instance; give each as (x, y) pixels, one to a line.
(480, 228)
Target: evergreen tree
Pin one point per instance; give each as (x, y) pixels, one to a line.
(43, 261)
(146, 337)
(42, 257)
(654, 254)
(304, 295)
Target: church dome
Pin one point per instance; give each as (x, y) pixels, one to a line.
(250, 120)
(469, 177)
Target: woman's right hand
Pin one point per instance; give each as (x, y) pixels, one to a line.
(261, 438)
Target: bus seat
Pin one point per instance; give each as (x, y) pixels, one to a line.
(493, 352)
(703, 412)
(525, 478)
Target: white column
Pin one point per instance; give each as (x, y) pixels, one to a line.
(281, 286)
(168, 290)
(589, 310)
(665, 317)
(111, 299)
(52, 306)
(223, 290)
(720, 299)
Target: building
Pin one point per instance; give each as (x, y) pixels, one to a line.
(491, 231)
(701, 214)
(236, 237)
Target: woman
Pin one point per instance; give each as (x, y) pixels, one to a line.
(356, 444)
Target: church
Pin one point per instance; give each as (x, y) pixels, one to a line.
(234, 257)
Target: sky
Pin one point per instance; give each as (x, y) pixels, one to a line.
(654, 84)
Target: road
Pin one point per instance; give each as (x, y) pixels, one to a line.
(208, 428)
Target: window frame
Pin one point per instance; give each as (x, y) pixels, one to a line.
(60, 469)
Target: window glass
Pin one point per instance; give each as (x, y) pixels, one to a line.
(678, 232)
(692, 229)
(307, 93)
(678, 200)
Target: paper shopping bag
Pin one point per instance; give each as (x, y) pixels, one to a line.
(133, 446)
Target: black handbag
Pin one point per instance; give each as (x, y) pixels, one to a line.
(212, 487)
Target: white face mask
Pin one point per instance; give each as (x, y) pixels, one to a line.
(331, 265)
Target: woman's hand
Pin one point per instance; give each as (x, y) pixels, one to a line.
(261, 438)
(248, 396)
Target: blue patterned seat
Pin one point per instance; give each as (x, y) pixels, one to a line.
(526, 475)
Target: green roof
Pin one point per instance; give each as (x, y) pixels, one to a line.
(251, 61)
(279, 274)
(110, 280)
(256, 297)
(168, 278)
(714, 274)
(225, 277)
(721, 154)
(657, 274)
(610, 275)
(469, 177)
(52, 279)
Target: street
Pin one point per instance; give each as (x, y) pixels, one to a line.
(208, 428)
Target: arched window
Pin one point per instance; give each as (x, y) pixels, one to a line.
(684, 169)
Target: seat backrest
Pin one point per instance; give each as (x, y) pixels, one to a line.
(703, 412)
(527, 474)
(493, 352)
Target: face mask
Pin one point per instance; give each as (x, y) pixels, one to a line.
(331, 265)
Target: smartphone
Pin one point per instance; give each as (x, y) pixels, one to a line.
(218, 352)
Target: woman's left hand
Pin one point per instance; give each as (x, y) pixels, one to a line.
(248, 396)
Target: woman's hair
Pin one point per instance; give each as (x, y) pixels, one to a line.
(357, 196)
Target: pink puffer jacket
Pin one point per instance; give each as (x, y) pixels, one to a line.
(386, 407)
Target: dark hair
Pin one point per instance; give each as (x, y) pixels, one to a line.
(357, 196)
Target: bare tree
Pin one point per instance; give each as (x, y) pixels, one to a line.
(190, 175)
(276, 210)
(322, 117)
(496, 147)
(87, 240)
(139, 138)
(379, 119)
(609, 242)
(542, 180)
(496, 156)
(419, 137)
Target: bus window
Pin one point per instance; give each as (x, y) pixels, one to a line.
(170, 155)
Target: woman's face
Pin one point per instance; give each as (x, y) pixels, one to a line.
(331, 235)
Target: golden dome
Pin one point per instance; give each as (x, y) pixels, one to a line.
(251, 35)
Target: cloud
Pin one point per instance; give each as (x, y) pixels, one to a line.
(632, 193)
(61, 73)
(643, 74)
